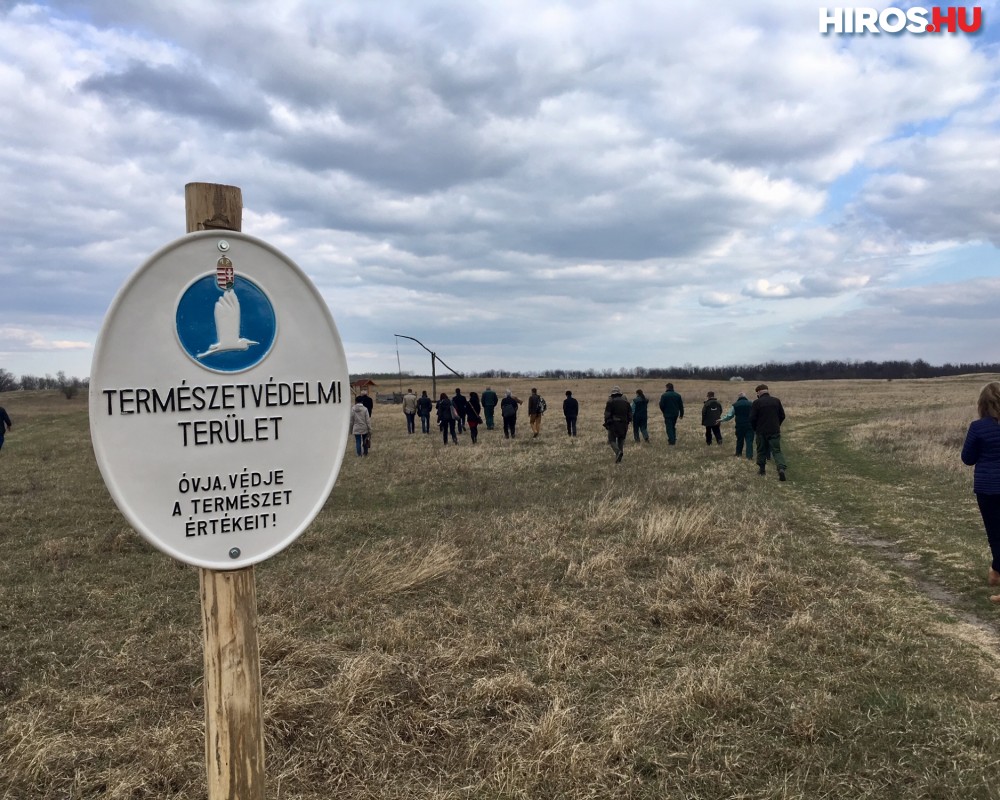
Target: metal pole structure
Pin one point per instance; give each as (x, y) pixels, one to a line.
(234, 717)
(434, 356)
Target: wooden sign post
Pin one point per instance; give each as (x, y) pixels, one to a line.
(234, 717)
(219, 424)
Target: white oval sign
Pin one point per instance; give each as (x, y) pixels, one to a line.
(219, 400)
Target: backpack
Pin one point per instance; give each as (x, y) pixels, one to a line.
(541, 405)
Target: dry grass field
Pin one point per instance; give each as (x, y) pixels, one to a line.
(526, 619)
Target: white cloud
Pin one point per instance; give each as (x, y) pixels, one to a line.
(558, 172)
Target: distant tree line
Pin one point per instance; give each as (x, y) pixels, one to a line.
(770, 370)
(65, 384)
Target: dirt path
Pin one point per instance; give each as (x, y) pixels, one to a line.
(831, 486)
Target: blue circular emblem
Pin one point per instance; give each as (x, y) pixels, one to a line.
(225, 330)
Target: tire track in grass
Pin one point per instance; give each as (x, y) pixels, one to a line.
(826, 473)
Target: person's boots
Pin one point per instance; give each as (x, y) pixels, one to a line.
(760, 469)
(781, 474)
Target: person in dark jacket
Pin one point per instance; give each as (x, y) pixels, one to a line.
(672, 408)
(6, 425)
(766, 416)
(446, 418)
(462, 407)
(424, 407)
(365, 399)
(640, 415)
(571, 410)
(740, 411)
(617, 416)
(490, 402)
(508, 410)
(711, 413)
(982, 449)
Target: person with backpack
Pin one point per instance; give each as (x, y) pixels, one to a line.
(508, 411)
(536, 407)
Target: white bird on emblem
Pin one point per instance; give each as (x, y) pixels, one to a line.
(227, 326)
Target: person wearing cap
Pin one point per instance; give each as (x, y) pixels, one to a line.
(672, 407)
(640, 415)
(766, 416)
(711, 413)
(617, 416)
(740, 411)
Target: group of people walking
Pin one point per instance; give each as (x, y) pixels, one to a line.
(757, 423)
(757, 431)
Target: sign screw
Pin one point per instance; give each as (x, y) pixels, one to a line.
(234, 553)
(223, 245)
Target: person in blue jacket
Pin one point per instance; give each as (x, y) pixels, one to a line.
(982, 449)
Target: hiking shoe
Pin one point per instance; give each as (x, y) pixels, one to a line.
(760, 469)
(618, 458)
(781, 475)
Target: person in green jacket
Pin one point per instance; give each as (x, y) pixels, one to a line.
(740, 411)
(672, 406)
(490, 401)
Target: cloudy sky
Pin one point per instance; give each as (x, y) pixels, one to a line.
(520, 185)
